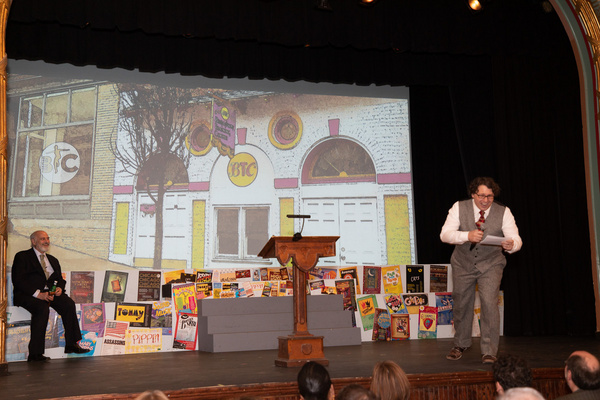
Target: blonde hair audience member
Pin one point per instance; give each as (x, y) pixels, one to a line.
(152, 395)
(389, 381)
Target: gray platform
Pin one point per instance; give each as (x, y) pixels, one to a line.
(255, 323)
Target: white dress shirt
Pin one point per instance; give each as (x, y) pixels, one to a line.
(450, 233)
(48, 267)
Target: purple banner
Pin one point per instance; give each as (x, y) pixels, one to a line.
(224, 130)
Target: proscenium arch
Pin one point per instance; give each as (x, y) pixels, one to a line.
(4, 8)
(583, 29)
(581, 25)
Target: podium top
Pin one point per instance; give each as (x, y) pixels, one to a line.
(324, 245)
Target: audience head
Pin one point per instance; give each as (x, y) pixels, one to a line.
(511, 371)
(314, 382)
(355, 392)
(389, 381)
(246, 398)
(521, 393)
(152, 395)
(582, 371)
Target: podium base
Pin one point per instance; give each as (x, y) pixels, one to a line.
(297, 350)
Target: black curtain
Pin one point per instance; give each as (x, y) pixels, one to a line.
(539, 130)
(524, 129)
(278, 39)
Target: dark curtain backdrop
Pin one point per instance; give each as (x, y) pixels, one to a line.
(494, 93)
(534, 149)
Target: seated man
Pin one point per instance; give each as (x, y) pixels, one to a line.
(33, 274)
(511, 371)
(582, 373)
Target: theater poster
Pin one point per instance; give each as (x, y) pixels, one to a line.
(186, 331)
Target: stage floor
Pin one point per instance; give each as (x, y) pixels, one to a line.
(190, 369)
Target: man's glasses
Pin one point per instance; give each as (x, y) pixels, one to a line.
(483, 196)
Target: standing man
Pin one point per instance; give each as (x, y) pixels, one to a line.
(582, 373)
(475, 265)
(33, 274)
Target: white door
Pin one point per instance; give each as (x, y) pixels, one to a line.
(146, 222)
(174, 225)
(354, 220)
(176, 222)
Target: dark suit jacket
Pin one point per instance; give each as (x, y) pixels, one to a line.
(28, 275)
(581, 395)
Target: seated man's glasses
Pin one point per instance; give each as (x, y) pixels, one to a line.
(483, 196)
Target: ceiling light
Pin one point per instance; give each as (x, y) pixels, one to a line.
(475, 5)
(324, 5)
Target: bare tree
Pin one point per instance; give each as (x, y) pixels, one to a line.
(153, 124)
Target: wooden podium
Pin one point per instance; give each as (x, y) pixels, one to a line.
(300, 347)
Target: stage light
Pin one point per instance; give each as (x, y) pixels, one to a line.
(475, 5)
(547, 6)
(324, 5)
(367, 2)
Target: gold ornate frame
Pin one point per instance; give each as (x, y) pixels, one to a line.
(582, 27)
(4, 8)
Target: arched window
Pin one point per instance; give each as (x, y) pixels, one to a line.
(336, 161)
(163, 167)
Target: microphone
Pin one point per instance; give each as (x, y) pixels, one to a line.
(298, 235)
(480, 227)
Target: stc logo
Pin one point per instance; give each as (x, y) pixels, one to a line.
(59, 162)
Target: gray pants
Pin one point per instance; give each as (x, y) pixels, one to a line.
(465, 282)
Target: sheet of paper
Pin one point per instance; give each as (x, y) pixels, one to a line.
(492, 240)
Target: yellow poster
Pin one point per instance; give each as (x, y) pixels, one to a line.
(138, 315)
(143, 340)
(392, 280)
(169, 276)
(184, 297)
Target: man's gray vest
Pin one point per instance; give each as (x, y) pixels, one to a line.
(479, 256)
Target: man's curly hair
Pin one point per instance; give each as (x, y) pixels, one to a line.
(484, 180)
(511, 371)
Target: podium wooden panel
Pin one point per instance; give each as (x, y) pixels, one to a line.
(300, 347)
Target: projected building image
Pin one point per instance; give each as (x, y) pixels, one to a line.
(150, 176)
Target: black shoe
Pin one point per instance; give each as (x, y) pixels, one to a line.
(37, 357)
(76, 349)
